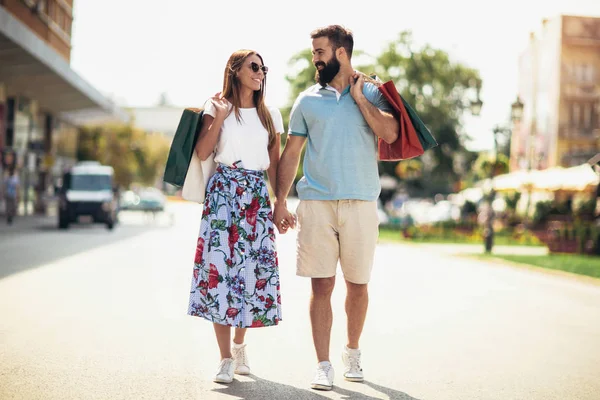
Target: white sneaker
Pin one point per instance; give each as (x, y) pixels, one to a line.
(323, 377)
(240, 359)
(351, 358)
(225, 371)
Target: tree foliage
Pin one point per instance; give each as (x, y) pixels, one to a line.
(135, 155)
(487, 166)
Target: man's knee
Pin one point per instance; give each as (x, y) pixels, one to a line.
(357, 289)
(323, 286)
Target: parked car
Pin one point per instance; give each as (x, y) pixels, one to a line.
(147, 199)
(152, 199)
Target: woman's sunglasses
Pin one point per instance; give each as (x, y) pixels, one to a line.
(255, 68)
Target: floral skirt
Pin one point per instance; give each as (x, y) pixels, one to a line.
(236, 273)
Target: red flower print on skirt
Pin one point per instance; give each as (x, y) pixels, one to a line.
(257, 323)
(203, 286)
(213, 277)
(234, 236)
(269, 303)
(261, 283)
(252, 212)
(232, 312)
(199, 250)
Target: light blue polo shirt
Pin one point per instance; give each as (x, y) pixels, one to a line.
(340, 161)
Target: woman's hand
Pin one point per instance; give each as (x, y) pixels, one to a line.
(282, 218)
(221, 105)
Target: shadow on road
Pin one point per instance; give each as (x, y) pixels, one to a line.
(43, 243)
(260, 388)
(391, 393)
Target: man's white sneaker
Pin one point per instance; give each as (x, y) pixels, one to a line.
(225, 371)
(240, 359)
(323, 377)
(351, 358)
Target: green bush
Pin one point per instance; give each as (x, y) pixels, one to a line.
(468, 208)
(542, 211)
(545, 209)
(512, 201)
(586, 209)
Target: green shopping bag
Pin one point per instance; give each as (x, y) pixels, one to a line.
(425, 137)
(182, 147)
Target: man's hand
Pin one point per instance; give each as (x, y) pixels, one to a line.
(383, 124)
(357, 81)
(283, 218)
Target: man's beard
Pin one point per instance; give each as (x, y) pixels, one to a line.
(329, 71)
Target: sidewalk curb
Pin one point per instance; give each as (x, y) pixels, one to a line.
(557, 272)
(177, 199)
(433, 245)
(23, 223)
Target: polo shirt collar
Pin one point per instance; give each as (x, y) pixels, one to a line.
(334, 90)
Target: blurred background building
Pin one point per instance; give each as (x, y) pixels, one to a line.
(559, 85)
(43, 101)
(159, 119)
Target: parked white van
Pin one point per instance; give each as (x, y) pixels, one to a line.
(87, 190)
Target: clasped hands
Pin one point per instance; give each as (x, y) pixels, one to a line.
(283, 218)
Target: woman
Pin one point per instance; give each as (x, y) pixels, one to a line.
(11, 194)
(236, 275)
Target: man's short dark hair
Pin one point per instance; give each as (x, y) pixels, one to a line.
(337, 35)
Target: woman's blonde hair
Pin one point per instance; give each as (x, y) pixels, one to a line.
(232, 88)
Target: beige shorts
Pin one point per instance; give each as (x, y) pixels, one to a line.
(337, 230)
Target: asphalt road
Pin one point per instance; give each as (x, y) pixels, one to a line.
(93, 314)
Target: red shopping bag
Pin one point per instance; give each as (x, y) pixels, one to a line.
(408, 144)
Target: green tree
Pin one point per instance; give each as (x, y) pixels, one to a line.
(135, 155)
(151, 154)
(435, 86)
(486, 166)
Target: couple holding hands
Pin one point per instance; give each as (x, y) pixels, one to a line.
(235, 280)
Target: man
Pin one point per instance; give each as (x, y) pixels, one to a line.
(341, 117)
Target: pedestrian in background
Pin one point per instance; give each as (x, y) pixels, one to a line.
(2, 205)
(11, 194)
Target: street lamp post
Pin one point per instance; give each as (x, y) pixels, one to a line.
(488, 232)
(532, 134)
(516, 110)
(594, 163)
(515, 115)
(476, 105)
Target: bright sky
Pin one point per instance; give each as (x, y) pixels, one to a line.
(133, 50)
